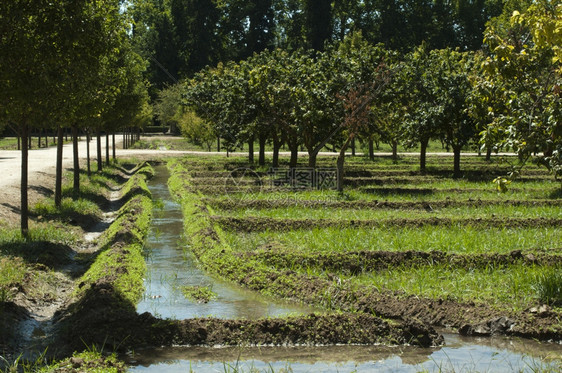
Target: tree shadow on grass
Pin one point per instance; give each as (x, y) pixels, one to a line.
(52, 255)
(556, 194)
(400, 191)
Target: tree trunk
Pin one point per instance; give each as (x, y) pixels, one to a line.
(39, 135)
(88, 152)
(76, 185)
(276, 148)
(251, 150)
(19, 142)
(371, 150)
(340, 164)
(218, 144)
(353, 147)
(29, 139)
(107, 160)
(423, 151)
(58, 173)
(312, 159)
(100, 157)
(24, 182)
(262, 141)
(457, 161)
(113, 145)
(394, 145)
(488, 154)
(294, 147)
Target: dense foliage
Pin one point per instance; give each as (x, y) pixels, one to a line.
(503, 97)
(179, 37)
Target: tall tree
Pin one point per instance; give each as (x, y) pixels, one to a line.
(525, 68)
(196, 25)
(318, 26)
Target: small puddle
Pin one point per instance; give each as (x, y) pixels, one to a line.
(170, 267)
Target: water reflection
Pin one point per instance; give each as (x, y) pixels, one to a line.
(170, 267)
(459, 355)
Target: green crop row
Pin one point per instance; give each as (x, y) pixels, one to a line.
(458, 239)
(499, 211)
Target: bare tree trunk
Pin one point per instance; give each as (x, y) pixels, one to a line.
(262, 141)
(107, 160)
(76, 184)
(276, 147)
(423, 152)
(58, 173)
(39, 135)
(394, 145)
(24, 182)
(371, 150)
(457, 161)
(251, 150)
(353, 147)
(88, 138)
(488, 153)
(312, 159)
(294, 147)
(218, 144)
(113, 145)
(100, 157)
(340, 163)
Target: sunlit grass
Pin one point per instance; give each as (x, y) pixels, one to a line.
(457, 239)
(513, 285)
(293, 212)
(12, 273)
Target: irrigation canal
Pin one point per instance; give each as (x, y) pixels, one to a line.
(171, 265)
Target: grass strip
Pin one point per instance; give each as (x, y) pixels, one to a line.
(457, 240)
(108, 292)
(359, 262)
(262, 224)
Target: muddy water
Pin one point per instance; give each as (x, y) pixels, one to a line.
(458, 355)
(170, 267)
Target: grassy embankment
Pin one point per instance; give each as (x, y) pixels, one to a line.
(33, 271)
(109, 290)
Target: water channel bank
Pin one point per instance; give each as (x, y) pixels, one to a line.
(172, 266)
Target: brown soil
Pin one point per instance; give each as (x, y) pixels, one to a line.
(261, 224)
(102, 318)
(541, 322)
(357, 262)
(232, 204)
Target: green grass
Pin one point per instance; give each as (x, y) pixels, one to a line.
(504, 287)
(457, 239)
(548, 285)
(500, 211)
(199, 294)
(12, 274)
(69, 208)
(513, 285)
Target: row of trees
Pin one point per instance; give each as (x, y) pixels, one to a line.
(68, 64)
(505, 97)
(180, 37)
